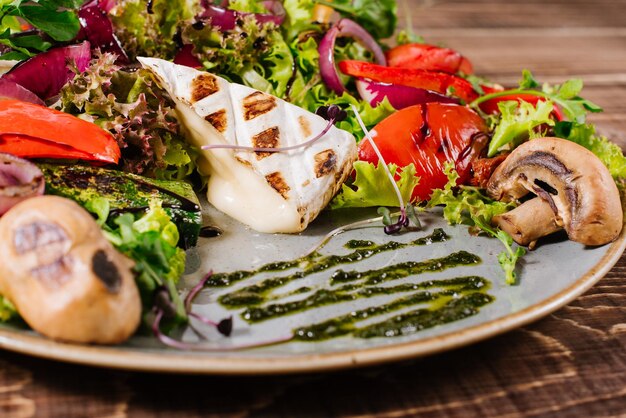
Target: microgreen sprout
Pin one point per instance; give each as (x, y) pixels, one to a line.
(332, 114)
(165, 308)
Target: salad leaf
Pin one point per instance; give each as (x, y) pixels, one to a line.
(371, 186)
(518, 122)
(469, 206)
(150, 33)
(585, 134)
(379, 18)
(151, 242)
(7, 310)
(249, 6)
(139, 114)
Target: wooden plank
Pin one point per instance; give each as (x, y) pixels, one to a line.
(427, 14)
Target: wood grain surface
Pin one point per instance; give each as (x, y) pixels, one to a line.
(570, 364)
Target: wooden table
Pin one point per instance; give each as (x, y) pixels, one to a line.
(570, 364)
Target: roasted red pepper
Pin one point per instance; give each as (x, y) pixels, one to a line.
(33, 131)
(430, 80)
(428, 57)
(428, 136)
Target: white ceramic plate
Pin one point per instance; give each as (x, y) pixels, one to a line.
(550, 277)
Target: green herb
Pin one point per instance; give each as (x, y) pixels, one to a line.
(469, 206)
(56, 19)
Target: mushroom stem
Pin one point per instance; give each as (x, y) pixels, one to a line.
(528, 222)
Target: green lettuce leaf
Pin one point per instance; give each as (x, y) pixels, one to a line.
(608, 152)
(151, 241)
(518, 122)
(7, 310)
(371, 186)
(469, 206)
(150, 34)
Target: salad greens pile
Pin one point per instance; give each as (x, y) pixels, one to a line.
(282, 59)
(137, 111)
(151, 240)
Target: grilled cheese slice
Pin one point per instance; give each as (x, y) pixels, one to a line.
(270, 192)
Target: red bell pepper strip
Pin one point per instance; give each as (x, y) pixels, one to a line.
(428, 57)
(427, 136)
(430, 80)
(32, 131)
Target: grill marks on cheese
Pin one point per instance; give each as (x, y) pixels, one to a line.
(293, 185)
(203, 86)
(218, 119)
(257, 104)
(325, 163)
(278, 183)
(269, 138)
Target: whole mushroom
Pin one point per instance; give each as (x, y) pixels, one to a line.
(573, 191)
(63, 276)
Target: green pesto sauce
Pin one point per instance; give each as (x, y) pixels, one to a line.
(441, 301)
(314, 263)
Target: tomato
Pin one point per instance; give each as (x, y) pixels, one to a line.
(32, 131)
(428, 136)
(439, 82)
(428, 57)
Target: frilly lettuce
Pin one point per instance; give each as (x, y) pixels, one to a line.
(585, 134)
(371, 186)
(138, 113)
(469, 206)
(518, 121)
(150, 34)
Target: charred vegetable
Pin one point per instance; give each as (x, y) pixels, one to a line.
(128, 193)
(63, 276)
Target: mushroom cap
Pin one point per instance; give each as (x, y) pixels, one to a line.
(579, 188)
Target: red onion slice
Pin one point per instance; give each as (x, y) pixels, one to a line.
(399, 96)
(226, 19)
(19, 180)
(343, 28)
(185, 57)
(96, 27)
(46, 73)
(12, 90)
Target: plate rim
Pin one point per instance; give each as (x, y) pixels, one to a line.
(106, 357)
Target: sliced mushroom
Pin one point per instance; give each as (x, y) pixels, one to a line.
(570, 181)
(63, 276)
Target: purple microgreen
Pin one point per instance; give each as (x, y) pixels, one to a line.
(225, 326)
(332, 114)
(163, 302)
(195, 290)
(189, 346)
